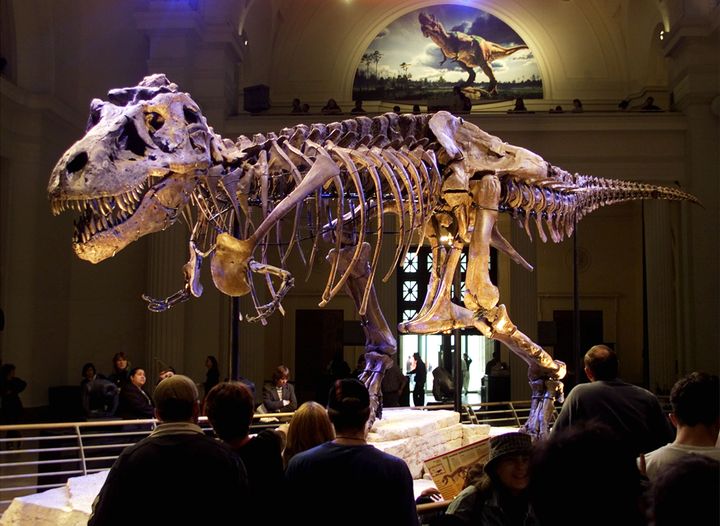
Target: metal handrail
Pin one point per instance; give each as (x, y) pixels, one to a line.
(74, 450)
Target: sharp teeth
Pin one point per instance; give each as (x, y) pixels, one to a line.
(106, 206)
(104, 223)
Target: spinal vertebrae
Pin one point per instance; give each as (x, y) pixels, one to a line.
(149, 157)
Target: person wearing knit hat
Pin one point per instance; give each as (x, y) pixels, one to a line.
(176, 464)
(498, 495)
(342, 470)
(506, 445)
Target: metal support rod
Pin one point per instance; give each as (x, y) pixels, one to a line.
(234, 354)
(646, 330)
(577, 365)
(457, 348)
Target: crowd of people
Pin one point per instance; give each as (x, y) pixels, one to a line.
(125, 392)
(611, 446)
(462, 103)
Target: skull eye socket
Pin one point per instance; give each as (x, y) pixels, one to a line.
(154, 121)
(130, 140)
(191, 116)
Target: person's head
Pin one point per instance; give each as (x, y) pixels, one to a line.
(695, 400)
(416, 357)
(577, 103)
(508, 460)
(176, 400)
(496, 354)
(120, 361)
(649, 101)
(686, 492)
(601, 363)
(166, 373)
(623, 104)
(597, 464)
(519, 103)
(296, 103)
(211, 362)
(332, 103)
(348, 405)
(137, 376)
(358, 103)
(396, 109)
(229, 407)
(7, 371)
(280, 375)
(88, 371)
(310, 426)
(416, 108)
(305, 107)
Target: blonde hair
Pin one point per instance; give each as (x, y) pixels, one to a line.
(310, 426)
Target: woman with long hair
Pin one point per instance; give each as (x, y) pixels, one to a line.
(497, 493)
(310, 426)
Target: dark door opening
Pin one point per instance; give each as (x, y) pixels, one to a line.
(318, 336)
(591, 333)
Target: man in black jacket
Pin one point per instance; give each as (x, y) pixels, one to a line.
(177, 475)
(632, 412)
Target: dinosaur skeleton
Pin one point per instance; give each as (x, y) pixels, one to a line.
(469, 51)
(149, 158)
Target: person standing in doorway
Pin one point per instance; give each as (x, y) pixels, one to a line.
(466, 372)
(420, 371)
(212, 376)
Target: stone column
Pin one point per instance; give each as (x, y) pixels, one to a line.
(694, 78)
(195, 47)
(662, 273)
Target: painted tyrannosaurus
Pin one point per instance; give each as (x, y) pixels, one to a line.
(148, 158)
(469, 51)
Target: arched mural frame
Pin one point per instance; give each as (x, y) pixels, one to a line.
(501, 10)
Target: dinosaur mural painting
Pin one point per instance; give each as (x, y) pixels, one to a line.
(469, 51)
(149, 158)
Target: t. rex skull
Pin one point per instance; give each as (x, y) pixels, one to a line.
(134, 169)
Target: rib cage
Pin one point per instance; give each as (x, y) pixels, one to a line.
(388, 164)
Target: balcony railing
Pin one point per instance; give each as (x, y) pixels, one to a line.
(38, 457)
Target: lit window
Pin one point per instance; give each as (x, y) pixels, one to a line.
(411, 262)
(408, 315)
(410, 291)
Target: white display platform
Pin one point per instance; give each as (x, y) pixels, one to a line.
(69, 505)
(410, 434)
